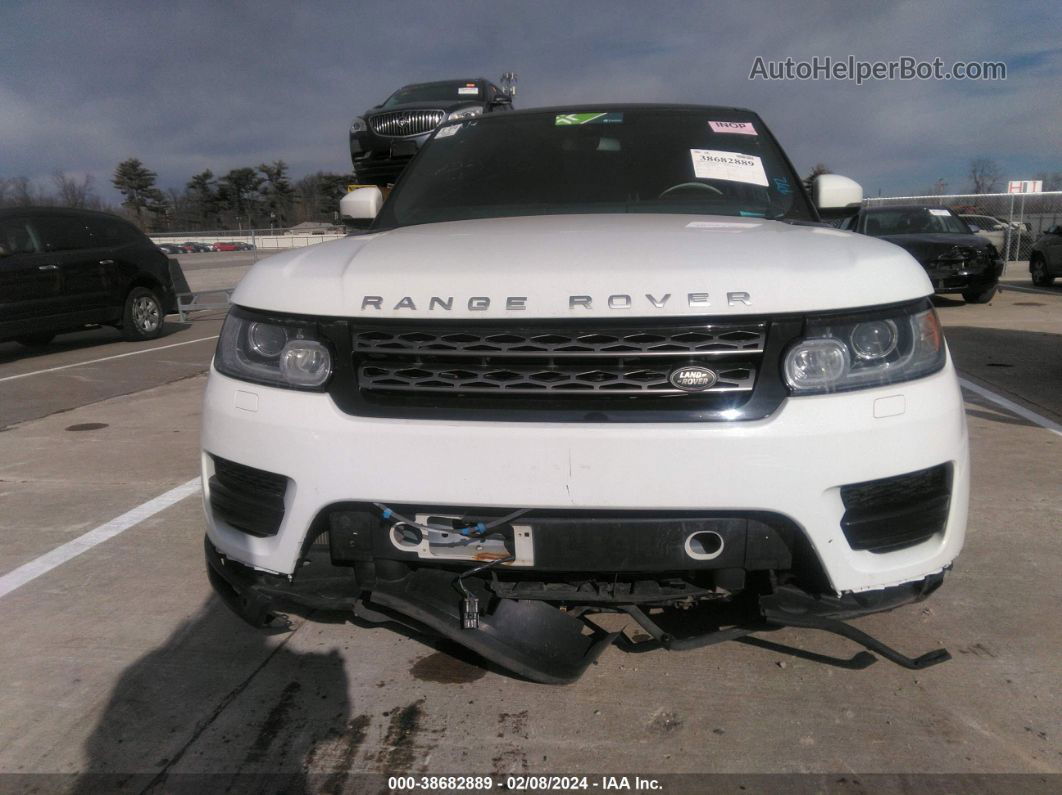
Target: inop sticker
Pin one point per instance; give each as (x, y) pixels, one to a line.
(446, 132)
(734, 127)
(937, 211)
(731, 166)
(467, 90)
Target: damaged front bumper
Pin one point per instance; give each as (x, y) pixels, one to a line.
(549, 638)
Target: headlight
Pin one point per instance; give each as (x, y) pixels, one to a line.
(358, 125)
(272, 351)
(859, 352)
(465, 113)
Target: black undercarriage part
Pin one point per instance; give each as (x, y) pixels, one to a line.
(554, 640)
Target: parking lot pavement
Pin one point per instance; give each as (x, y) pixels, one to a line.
(219, 270)
(120, 660)
(89, 366)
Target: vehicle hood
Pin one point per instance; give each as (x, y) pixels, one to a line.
(441, 104)
(636, 265)
(928, 247)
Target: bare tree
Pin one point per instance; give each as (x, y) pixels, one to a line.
(817, 170)
(72, 192)
(984, 175)
(1051, 181)
(24, 193)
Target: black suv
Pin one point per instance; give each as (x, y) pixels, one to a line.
(63, 269)
(956, 260)
(388, 135)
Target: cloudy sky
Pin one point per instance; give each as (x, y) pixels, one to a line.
(201, 84)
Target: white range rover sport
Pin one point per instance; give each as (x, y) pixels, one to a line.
(584, 361)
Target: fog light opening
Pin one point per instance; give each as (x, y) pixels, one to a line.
(704, 545)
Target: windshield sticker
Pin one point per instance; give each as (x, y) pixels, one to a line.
(569, 119)
(468, 90)
(733, 127)
(935, 211)
(446, 132)
(731, 166)
(781, 184)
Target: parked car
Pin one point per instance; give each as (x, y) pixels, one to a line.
(590, 359)
(1045, 258)
(387, 136)
(956, 260)
(991, 229)
(63, 269)
(226, 245)
(169, 248)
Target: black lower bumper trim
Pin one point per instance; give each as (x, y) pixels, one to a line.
(533, 638)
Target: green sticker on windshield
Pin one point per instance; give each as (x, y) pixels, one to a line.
(569, 119)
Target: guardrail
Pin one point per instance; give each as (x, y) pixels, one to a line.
(267, 239)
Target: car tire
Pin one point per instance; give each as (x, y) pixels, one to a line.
(142, 315)
(38, 340)
(1040, 275)
(976, 296)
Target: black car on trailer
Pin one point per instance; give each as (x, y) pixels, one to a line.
(385, 138)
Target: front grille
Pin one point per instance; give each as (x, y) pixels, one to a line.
(556, 362)
(555, 379)
(249, 499)
(893, 513)
(403, 123)
(380, 171)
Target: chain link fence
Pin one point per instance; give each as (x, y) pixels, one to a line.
(1012, 221)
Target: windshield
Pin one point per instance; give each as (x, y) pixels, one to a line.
(914, 221)
(434, 92)
(703, 161)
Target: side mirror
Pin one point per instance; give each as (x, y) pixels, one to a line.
(360, 206)
(973, 227)
(835, 195)
(4, 251)
(502, 99)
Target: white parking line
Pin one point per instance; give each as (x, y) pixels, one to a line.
(1012, 407)
(106, 358)
(83, 543)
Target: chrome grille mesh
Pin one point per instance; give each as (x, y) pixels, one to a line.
(555, 361)
(701, 340)
(402, 123)
(529, 380)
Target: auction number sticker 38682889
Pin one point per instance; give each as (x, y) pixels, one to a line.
(731, 166)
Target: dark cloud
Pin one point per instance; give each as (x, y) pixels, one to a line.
(197, 85)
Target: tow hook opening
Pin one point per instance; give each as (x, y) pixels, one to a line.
(704, 545)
